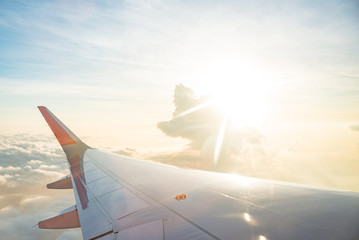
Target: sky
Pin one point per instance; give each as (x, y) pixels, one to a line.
(267, 89)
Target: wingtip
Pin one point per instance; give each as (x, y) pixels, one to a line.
(61, 132)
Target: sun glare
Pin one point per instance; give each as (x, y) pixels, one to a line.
(238, 90)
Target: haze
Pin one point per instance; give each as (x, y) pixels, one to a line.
(266, 89)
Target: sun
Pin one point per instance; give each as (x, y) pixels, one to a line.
(239, 91)
(242, 103)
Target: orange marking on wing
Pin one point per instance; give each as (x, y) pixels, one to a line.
(62, 136)
(181, 197)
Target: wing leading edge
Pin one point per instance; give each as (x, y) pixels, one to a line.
(118, 197)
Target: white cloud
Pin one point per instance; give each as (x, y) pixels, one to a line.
(3, 179)
(9, 169)
(34, 201)
(34, 162)
(27, 164)
(28, 168)
(48, 166)
(26, 215)
(43, 153)
(49, 173)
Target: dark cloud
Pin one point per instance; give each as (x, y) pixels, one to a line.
(27, 164)
(354, 128)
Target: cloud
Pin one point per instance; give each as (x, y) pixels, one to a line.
(34, 162)
(188, 158)
(27, 164)
(354, 128)
(127, 152)
(9, 169)
(189, 120)
(29, 159)
(26, 215)
(34, 201)
(243, 149)
(42, 166)
(247, 151)
(3, 179)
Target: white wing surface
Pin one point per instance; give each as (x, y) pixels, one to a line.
(119, 197)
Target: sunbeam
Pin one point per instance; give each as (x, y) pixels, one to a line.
(194, 109)
(219, 142)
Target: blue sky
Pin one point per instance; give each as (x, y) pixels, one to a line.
(112, 66)
(99, 52)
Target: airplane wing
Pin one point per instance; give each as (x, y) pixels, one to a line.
(119, 197)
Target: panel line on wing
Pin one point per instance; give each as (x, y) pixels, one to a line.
(153, 199)
(270, 211)
(137, 203)
(97, 203)
(103, 186)
(101, 235)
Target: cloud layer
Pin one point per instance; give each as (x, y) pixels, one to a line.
(247, 151)
(27, 164)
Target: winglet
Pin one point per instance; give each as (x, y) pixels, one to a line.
(74, 149)
(70, 143)
(61, 132)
